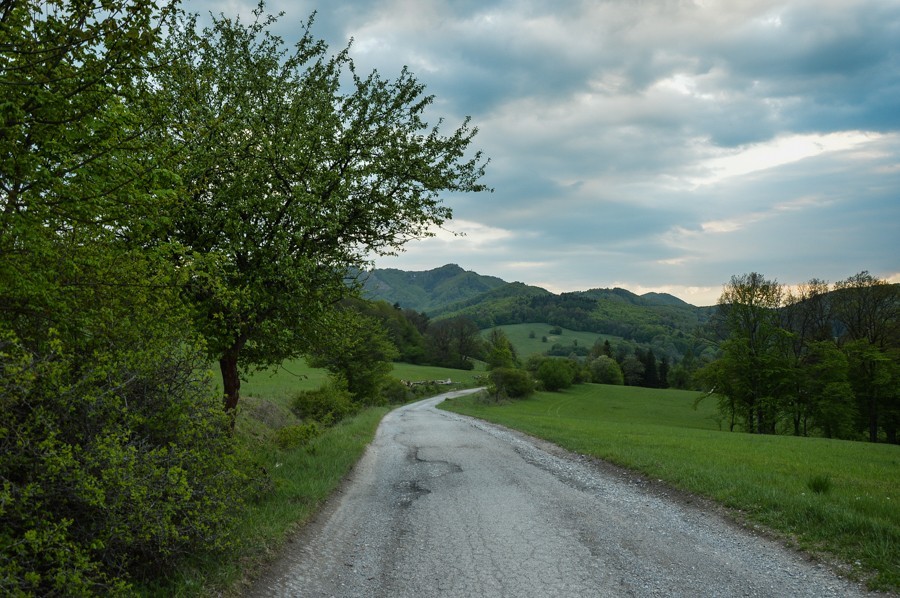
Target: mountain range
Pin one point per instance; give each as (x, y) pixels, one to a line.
(659, 320)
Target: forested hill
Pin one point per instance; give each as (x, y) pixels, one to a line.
(429, 291)
(450, 291)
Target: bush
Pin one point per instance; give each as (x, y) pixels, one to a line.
(605, 370)
(510, 383)
(291, 437)
(327, 405)
(115, 466)
(556, 374)
(395, 391)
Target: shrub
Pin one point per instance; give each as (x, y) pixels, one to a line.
(327, 405)
(394, 391)
(291, 437)
(556, 374)
(114, 465)
(510, 383)
(605, 370)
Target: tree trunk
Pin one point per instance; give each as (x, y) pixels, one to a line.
(231, 381)
(873, 422)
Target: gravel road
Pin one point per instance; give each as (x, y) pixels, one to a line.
(445, 505)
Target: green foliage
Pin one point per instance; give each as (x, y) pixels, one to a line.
(291, 437)
(401, 327)
(454, 343)
(327, 405)
(357, 350)
(605, 370)
(430, 290)
(499, 352)
(556, 373)
(394, 391)
(301, 170)
(116, 461)
(510, 383)
(114, 467)
(813, 363)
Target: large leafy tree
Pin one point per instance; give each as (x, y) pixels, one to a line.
(868, 312)
(301, 169)
(77, 180)
(753, 354)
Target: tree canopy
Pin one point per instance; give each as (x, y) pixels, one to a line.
(301, 170)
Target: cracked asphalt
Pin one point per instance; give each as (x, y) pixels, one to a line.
(445, 505)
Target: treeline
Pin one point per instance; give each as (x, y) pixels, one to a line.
(457, 343)
(451, 343)
(820, 359)
(669, 329)
(173, 196)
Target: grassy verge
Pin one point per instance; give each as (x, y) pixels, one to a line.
(829, 497)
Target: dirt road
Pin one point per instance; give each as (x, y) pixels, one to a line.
(443, 505)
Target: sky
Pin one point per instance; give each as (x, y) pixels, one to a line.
(653, 145)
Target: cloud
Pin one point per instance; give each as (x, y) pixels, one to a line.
(654, 145)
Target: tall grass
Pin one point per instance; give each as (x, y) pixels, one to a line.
(778, 481)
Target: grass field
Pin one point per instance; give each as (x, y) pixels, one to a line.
(282, 383)
(520, 337)
(829, 497)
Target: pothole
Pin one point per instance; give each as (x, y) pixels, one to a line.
(410, 491)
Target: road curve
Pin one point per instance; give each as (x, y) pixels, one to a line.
(445, 505)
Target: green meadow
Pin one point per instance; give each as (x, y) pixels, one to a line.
(520, 335)
(831, 498)
(282, 383)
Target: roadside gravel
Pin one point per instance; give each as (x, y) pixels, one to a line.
(446, 505)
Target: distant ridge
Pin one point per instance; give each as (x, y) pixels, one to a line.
(658, 320)
(451, 286)
(429, 290)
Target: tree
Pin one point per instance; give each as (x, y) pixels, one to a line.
(79, 188)
(633, 369)
(807, 316)
(356, 348)
(555, 373)
(828, 401)
(500, 352)
(402, 332)
(753, 353)
(113, 464)
(651, 371)
(301, 170)
(453, 343)
(510, 383)
(605, 370)
(868, 311)
(663, 378)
